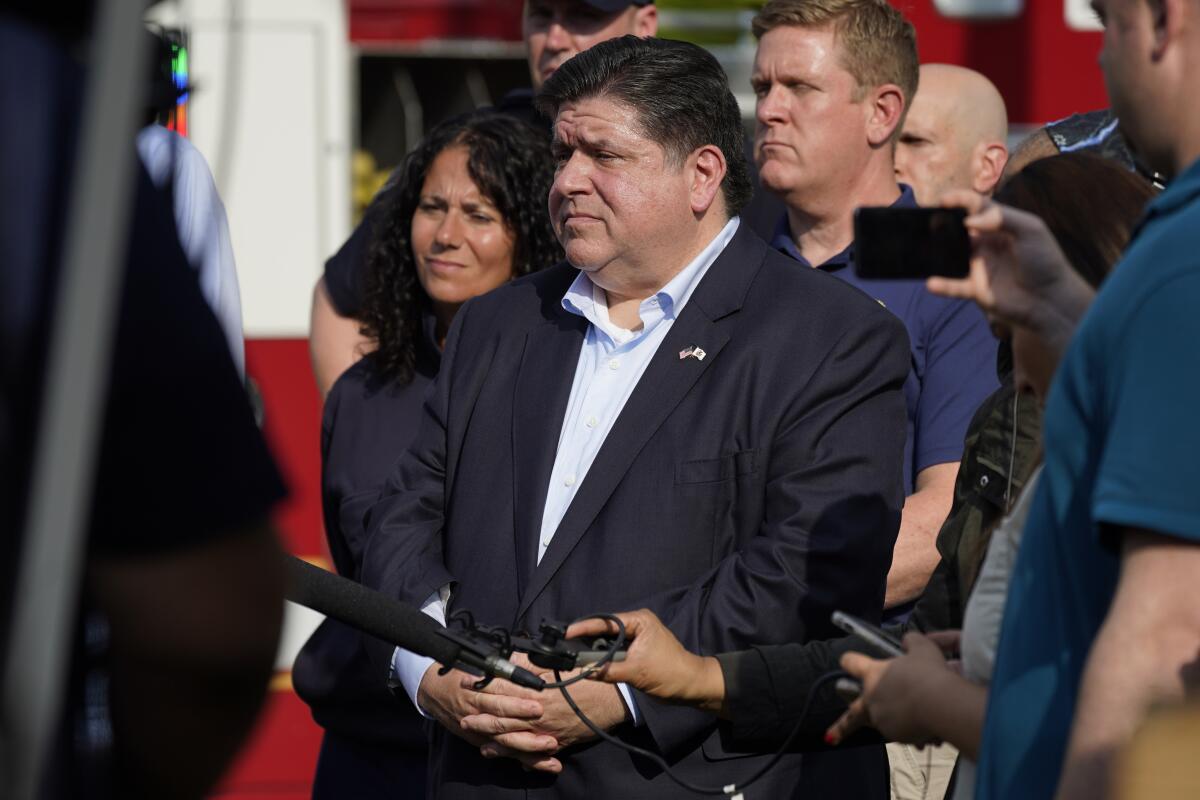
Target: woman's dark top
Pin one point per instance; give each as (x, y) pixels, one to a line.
(367, 424)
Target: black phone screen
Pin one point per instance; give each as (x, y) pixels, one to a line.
(895, 243)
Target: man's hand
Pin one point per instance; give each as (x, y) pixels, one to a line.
(451, 699)
(895, 692)
(1019, 275)
(656, 663)
(557, 721)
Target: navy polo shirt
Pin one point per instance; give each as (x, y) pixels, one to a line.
(953, 355)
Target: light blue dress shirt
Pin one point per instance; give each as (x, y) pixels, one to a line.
(610, 364)
(202, 226)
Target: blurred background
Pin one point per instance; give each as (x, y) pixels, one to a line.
(303, 108)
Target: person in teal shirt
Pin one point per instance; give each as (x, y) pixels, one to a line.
(1103, 614)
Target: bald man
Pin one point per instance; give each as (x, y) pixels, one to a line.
(954, 135)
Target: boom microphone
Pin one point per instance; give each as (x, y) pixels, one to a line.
(396, 623)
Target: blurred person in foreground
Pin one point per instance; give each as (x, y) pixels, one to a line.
(554, 31)
(676, 416)
(468, 214)
(1104, 619)
(181, 601)
(953, 136)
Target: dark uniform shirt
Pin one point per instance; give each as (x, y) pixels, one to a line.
(180, 460)
(367, 424)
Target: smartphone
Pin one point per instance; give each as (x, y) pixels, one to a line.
(910, 243)
(874, 636)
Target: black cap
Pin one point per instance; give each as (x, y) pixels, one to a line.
(616, 5)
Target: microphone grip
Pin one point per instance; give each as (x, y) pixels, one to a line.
(396, 623)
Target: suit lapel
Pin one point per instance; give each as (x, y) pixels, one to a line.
(667, 380)
(539, 405)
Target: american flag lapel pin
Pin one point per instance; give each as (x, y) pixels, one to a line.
(692, 352)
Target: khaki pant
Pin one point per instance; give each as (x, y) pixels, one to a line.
(920, 774)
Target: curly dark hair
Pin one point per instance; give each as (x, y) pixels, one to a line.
(510, 162)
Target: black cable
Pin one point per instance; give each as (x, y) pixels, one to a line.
(731, 789)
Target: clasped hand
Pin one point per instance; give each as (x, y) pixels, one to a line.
(508, 721)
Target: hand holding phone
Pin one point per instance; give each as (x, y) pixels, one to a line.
(876, 637)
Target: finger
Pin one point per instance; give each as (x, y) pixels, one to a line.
(490, 725)
(592, 627)
(527, 742)
(849, 722)
(914, 642)
(948, 641)
(500, 705)
(858, 664)
(500, 688)
(963, 198)
(956, 288)
(534, 762)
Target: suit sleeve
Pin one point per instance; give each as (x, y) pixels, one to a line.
(831, 511)
(403, 557)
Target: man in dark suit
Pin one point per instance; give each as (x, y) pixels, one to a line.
(677, 418)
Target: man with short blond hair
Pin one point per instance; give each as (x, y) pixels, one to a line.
(833, 80)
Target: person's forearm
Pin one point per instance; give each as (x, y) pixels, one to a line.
(1055, 320)
(334, 342)
(954, 710)
(1127, 674)
(190, 657)
(915, 555)
(1140, 658)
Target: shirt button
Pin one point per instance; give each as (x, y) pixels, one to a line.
(614, 364)
(592, 422)
(983, 481)
(653, 301)
(546, 541)
(569, 480)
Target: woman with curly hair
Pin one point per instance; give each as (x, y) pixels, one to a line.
(466, 214)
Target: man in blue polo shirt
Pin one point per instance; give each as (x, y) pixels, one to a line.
(829, 110)
(832, 82)
(1103, 618)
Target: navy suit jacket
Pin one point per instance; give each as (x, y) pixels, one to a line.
(743, 497)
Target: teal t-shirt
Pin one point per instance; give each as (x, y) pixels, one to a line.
(1121, 437)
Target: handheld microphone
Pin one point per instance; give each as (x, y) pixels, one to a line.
(396, 623)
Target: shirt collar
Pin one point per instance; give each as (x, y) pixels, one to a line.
(782, 239)
(586, 299)
(1181, 191)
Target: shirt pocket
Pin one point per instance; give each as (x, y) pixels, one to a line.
(717, 470)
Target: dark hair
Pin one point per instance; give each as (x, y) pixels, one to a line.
(678, 91)
(1090, 204)
(510, 163)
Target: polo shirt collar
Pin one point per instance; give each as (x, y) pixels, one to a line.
(1179, 192)
(782, 238)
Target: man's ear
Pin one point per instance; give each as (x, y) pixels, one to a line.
(990, 159)
(886, 106)
(707, 167)
(645, 21)
(1166, 20)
